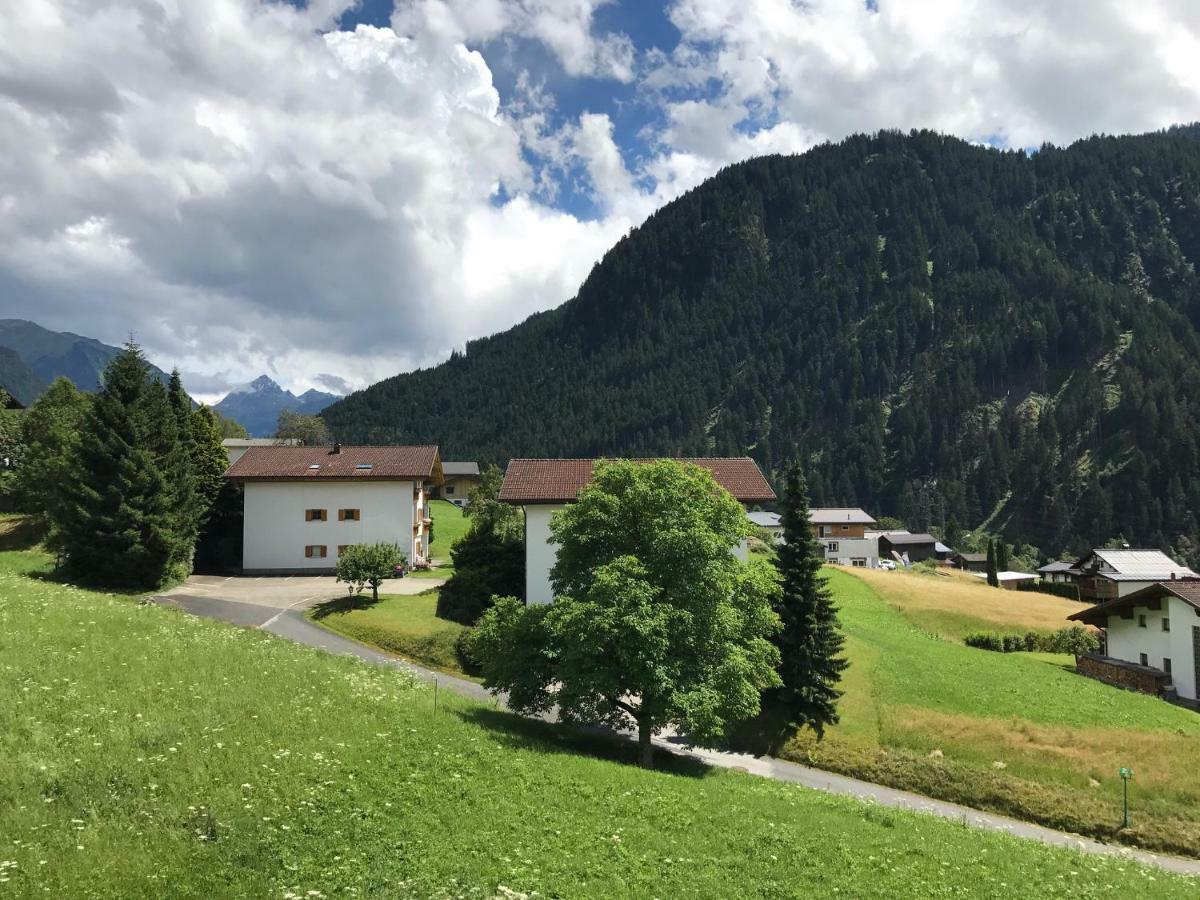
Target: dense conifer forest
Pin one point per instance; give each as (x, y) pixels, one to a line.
(947, 332)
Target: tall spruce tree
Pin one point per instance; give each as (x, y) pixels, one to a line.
(1003, 559)
(810, 642)
(992, 578)
(118, 524)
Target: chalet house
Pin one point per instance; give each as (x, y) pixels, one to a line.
(843, 531)
(541, 487)
(769, 521)
(1058, 572)
(909, 548)
(969, 562)
(1107, 574)
(235, 447)
(304, 505)
(1010, 581)
(1152, 639)
(460, 478)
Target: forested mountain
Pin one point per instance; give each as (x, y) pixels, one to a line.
(945, 331)
(257, 405)
(53, 354)
(18, 379)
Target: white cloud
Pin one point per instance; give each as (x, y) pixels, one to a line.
(246, 193)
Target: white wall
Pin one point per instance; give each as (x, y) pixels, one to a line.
(275, 533)
(539, 552)
(852, 548)
(235, 453)
(1126, 640)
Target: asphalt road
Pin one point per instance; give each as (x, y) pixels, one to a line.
(284, 616)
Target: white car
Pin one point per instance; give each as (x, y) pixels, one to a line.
(887, 564)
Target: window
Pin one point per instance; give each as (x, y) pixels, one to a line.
(845, 528)
(1141, 621)
(314, 551)
(858, 562)
(1167, 665)
(315, 515)
(832, 546)
(349, 515)
(823, 531)
(342, 548)
(1166, 624)
(1143, 659)
(365, 467)
(449, 489)
(315, 466)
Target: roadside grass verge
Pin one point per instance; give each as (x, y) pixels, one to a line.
(147, 753)
(1018, 733)
(405, 626)
(449, 524)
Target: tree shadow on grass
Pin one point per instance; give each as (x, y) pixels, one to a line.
(343, 605)
(595, 742)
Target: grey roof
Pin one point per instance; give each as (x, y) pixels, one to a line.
(972, 557)
(765, 519)
(460, 468)
(840, 516)
(942, 548)
(1058, 565)
(907, 538)
(260, 442)
(1141, 565)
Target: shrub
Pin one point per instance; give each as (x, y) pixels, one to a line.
(487, 563)
(1075, 640)
(363, 565)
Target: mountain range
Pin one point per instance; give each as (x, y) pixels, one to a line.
(32, 356)
(257, 405)
(941, 331)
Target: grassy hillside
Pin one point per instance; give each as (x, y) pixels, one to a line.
(144, 753)
(449, 524)
(1018, 733)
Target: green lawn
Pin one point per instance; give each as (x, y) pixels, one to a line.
(1016, 733)
(403, 625)
(146, 753)
(449, 524)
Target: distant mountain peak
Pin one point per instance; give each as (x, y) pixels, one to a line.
(258, 404)
(263, 384)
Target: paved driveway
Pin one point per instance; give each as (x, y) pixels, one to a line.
(255, 601)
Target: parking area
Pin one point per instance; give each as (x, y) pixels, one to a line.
(256, 601)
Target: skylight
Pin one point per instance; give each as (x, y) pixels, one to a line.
(315, 466)
(367, 466)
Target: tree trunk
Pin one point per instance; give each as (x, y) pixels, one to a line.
(645, 748)
(375, 592)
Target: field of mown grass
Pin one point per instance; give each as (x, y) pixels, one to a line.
(449, 524)
(145, 753)
(402, 625)
(1016, 733)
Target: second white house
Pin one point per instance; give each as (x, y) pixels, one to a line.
(304, 505)
(543, 486)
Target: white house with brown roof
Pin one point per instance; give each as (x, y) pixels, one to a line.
(304, 505)
(541, 487)
(1152, 638)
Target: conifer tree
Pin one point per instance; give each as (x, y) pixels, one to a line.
(992, 578)
(209, 459)
(118, 525)
(1002, 556)
(810, 642)
(50, 430)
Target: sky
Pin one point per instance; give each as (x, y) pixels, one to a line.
(331, 192)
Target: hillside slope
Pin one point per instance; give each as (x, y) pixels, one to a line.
(944, 331)
(60, 354)
(18, 379)
(146, 753)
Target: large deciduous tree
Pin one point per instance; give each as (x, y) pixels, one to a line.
(656, 623)
(311, 431)
(810, 642)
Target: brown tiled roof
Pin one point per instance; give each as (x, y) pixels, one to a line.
(561, 480)
(1186, 589)
(303, 463)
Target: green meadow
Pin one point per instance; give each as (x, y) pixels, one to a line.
(145, 753)
(1018, 733)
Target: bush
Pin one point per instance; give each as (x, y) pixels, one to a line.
(487, 564)
(1075, 640)
(1070, 591)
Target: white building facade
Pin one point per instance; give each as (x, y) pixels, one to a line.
(541, 487)
(304, 505)
(1157, 627)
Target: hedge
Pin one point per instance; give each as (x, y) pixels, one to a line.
(1075, 640)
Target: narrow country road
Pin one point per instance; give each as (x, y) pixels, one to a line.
(288, 621)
